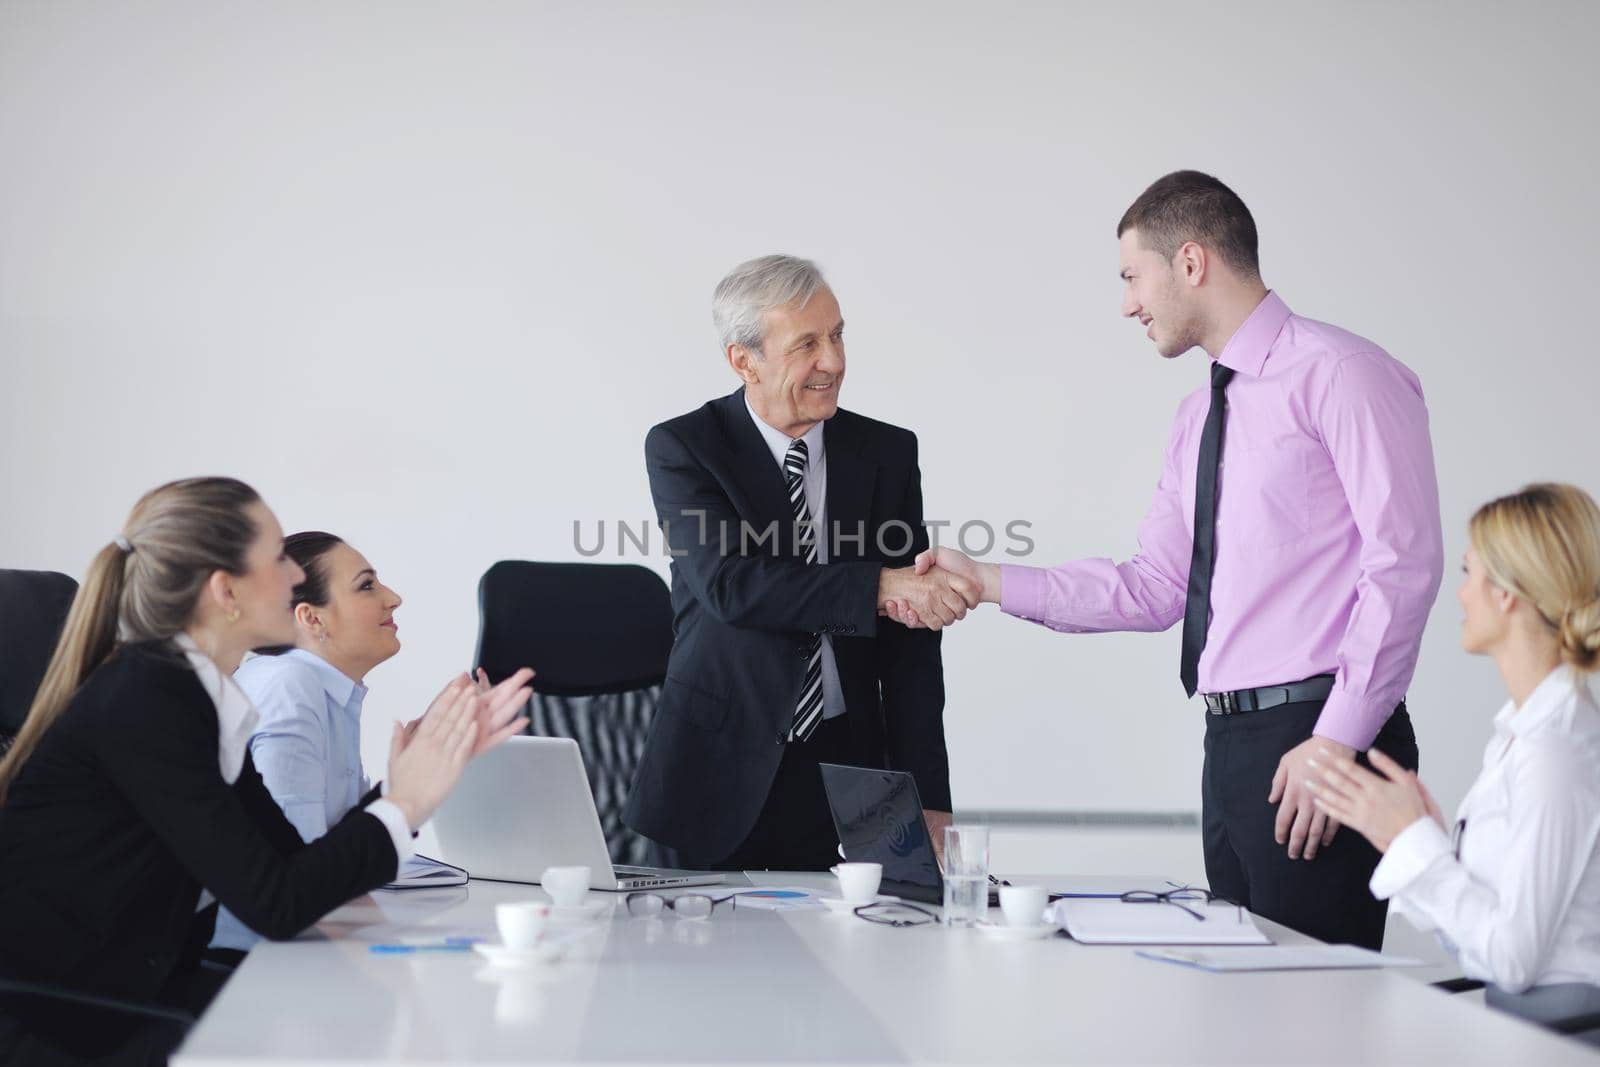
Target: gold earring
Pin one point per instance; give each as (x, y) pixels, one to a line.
(233, 616)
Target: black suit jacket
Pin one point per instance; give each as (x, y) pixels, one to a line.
(744, 617)
(121, 816)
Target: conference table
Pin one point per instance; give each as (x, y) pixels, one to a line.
(789, 987)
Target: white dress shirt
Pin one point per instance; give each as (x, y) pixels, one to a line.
(236, 716)
(816, 490)
(1520, 907)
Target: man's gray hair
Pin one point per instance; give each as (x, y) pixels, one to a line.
(739, 306)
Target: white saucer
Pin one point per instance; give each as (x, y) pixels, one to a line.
(578, 914)
(1001, 932)
(840, 906)
(504, 956)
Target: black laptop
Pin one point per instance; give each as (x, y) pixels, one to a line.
(878, 815)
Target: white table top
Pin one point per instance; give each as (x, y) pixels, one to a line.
(755, 986)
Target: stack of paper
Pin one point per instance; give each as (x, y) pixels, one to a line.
(1280, 958)
(1113, 922)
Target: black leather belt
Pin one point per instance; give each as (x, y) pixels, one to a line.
(1263, 697)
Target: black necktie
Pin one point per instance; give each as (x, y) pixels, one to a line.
(808, 711)
(1197, 607)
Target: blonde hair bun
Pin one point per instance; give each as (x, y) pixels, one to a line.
(1543, 544)
(1580, 636)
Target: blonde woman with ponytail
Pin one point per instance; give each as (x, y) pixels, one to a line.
(130, 803)
(1513, 884)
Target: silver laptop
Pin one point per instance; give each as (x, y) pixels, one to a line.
(525, 805)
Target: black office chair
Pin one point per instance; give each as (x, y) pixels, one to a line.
(598, 635)
(33, 609)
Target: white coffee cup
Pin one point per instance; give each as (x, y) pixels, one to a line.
(521, 922)
(1023, 905)
(858, 882)
(567, 886)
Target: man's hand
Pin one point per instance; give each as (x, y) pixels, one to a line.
(1301, 824)
(984, 578)
(937, 821)
(1377, 806)
(935, 599)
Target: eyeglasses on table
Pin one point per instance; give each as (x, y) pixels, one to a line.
(1183, 897)
(895, 913)
(684, 905)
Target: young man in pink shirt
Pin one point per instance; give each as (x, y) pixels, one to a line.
(1294, 533)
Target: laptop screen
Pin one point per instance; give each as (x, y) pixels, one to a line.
(878, 815)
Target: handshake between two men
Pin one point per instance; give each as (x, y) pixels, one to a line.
(938, 589)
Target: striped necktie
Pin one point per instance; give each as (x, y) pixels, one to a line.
(808, 713)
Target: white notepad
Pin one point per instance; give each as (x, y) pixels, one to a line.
(1280, 958)
(423, 872)
(1114, 922)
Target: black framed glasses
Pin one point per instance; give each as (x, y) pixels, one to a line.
(684, 905)
(1188, 898)
(893, 913)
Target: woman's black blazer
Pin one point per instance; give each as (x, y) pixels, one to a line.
(120, 818)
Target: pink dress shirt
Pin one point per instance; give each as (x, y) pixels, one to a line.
(1329, 552)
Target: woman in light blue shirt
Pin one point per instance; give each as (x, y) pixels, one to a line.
(307, 743)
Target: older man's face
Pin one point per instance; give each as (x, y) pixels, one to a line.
(794, 383)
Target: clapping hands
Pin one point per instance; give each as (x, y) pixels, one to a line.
(1378, 803)
(468, 717)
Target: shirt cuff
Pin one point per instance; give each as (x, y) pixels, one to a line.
(1023, 591)
(389, 814)
(1352, 720)
(1413, 850)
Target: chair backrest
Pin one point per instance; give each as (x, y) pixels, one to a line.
(33, 610)
(598, 635)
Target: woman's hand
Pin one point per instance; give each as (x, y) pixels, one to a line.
(1378, 806)
(425, 766)
(498, 718)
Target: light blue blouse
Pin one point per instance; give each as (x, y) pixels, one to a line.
(307, 746)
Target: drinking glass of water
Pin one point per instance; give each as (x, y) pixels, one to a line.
(966, 874)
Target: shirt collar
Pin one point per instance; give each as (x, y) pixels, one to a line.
(778, 442)
(236, 716)
(1246, 351)
(1546, 700)
(331, 678)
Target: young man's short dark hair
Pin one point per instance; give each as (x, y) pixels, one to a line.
(1187, 205)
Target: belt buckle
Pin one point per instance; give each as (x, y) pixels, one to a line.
(1230, 703)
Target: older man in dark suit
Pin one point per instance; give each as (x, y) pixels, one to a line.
(791, 523)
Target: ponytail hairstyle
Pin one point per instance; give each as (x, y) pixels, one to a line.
(144, 586)
(1543, 544)
(307, 549)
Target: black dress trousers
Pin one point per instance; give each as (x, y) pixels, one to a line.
(795, 830)
(1327, 896)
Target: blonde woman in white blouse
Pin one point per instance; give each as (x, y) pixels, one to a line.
(1512, 885)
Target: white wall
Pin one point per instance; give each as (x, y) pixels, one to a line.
(425, 274)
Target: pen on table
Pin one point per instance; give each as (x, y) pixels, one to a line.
(449, 944)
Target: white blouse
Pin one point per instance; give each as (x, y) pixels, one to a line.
(1516, 895)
